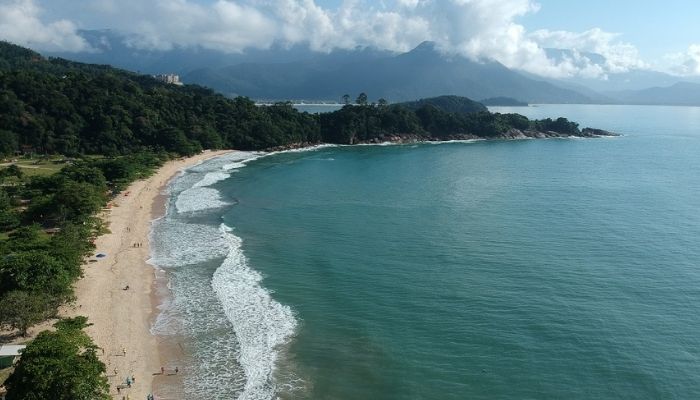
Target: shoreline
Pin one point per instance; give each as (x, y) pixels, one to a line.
(399, 139)
(122, 319)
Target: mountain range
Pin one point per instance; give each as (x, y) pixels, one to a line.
(298, 73)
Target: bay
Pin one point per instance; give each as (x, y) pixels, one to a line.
(563, 268)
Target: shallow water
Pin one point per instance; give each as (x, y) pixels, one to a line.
(525, 269)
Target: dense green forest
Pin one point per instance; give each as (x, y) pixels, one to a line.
(449, 104)
(503, 101)
(50, 224)
(57, 106)
(60, 364)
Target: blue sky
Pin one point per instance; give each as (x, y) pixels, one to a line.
(629, 34)
(654, 27)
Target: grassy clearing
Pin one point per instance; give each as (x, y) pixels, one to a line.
(38, 166)
(41, 165)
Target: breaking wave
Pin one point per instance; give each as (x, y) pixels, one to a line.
(261, 324)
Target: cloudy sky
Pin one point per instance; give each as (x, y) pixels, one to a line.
(661, 35)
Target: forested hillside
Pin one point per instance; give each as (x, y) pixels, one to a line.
(450, 104)
(57, 106)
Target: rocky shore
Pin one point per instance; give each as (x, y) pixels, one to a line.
(512, 134)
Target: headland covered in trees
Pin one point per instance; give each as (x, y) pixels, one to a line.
(112, 127)
(58, 106)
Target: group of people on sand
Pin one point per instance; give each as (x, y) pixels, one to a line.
(138, 244)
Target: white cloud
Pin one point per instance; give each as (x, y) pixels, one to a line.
(686, 63)
(619, 56)
(478, 29)
(20, 23)
(163, 24)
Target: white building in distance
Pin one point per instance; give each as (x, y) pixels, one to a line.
(172, 79)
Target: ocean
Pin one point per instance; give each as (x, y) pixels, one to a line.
(558, 268)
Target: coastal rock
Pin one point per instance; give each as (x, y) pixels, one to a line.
(511, 134)
(593, 132)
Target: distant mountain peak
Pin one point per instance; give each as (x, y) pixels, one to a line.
(426, 46)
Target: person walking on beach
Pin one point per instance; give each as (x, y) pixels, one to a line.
(177, 370)
(162, 371)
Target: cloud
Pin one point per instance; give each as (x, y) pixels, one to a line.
(20, 23)
(619, 56)
(164, 24)
(686, 63)
(478, 29)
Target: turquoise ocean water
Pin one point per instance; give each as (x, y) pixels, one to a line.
(564, 268)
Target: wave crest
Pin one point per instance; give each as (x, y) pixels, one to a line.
(261, 324)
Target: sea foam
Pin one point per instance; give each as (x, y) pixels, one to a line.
(243, 322)
(199, 196)
(179, 243)
(262, 325)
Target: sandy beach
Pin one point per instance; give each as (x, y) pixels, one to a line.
(121, 319)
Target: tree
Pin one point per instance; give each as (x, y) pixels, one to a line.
(11, 170)
(37, 271)
(346, 99)
(174, 139)
(21, 310)
(60, 365)
(77, 200)
(86, 174)
(9, 219)
(382, 102)
(361, 99)
(5, 200)
(27, 237)
(8, 142)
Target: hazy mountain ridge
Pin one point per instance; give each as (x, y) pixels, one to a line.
(297, 72)
(420, 73)
(678, 94)
(114, 48)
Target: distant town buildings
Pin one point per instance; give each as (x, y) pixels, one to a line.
(173, 79)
